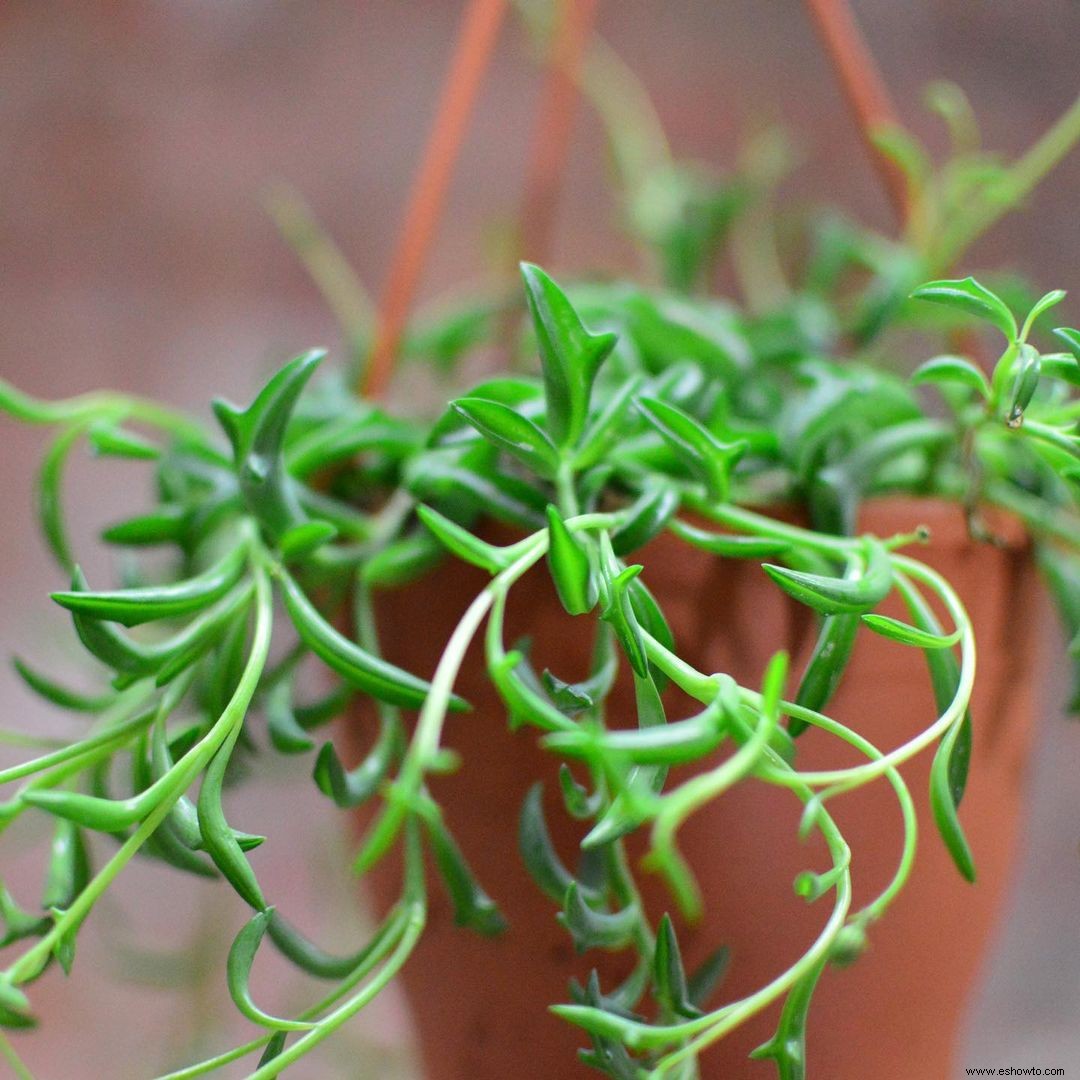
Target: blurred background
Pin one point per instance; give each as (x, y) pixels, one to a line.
(136, 143)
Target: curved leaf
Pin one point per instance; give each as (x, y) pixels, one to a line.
(238, 975)
(356, 665)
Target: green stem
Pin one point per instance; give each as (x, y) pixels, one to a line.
(29, 965)
(385, 940)
(1019, 181)
(8, 1052)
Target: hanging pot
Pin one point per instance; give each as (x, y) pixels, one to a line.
(480, 1005)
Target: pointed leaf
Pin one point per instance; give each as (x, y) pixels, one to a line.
(462, 543)
(472, 905)
(359, 667)
(511, 432)
(568, 563)
(257, 434)
(969, 296)
(834, 595)
(709, 458)
(238, 975)
(730, 546)
(352, 787)
(165, 525)
(909, 635)
(593, 929)
(645, 518)
(619, 613)
(218, 837)
(286, 734)
(1070, 339)
(534, 842)
(570, 356)
(132, 607)
(57, 694)
(1025, 382)
(111, 440)
(669, 976)
(301, 540)
(953, 369)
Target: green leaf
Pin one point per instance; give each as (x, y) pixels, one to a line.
(471, 481)
(402, 561)
(132, 607)
(1070, 339)
(49, 496)
(523, 702)
(165, 525)
(969, 296)
(826, 666)
(1040, 307)
(909, 635)
(238, 976)
(654, 744)
(710, 459)
(168, 845)
(14, 1007)
(356, 665)
(219, 839)
(538, 853)
(111, 440)
(1026, 373)
(295, 947)
(302, 540)
(608, 426)
(273, 1048)
(568, 698)
(352, 787)
(568, 563)
(669, 976)
(645, 518)
(69, 866)
(593, 929)
(577, 800)
(336, 441)
(257, 434)
(948, 775)
(953, 369)
(472, 906)
(58, 694)
(18, 924)
(1061, 366)
(948, 772)
(901, 147)
(650, 617)
(619, 614)
(524, 396)
(835, 596)
(462, 543)
(788, 1046)
(730, 546)
(286, 734)
(570, 355)
(708, 975)
(511, 432)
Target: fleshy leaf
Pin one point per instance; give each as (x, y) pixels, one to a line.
(570, 355)
(969, 296)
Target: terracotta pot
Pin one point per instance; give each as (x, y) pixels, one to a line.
(480, 1005)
